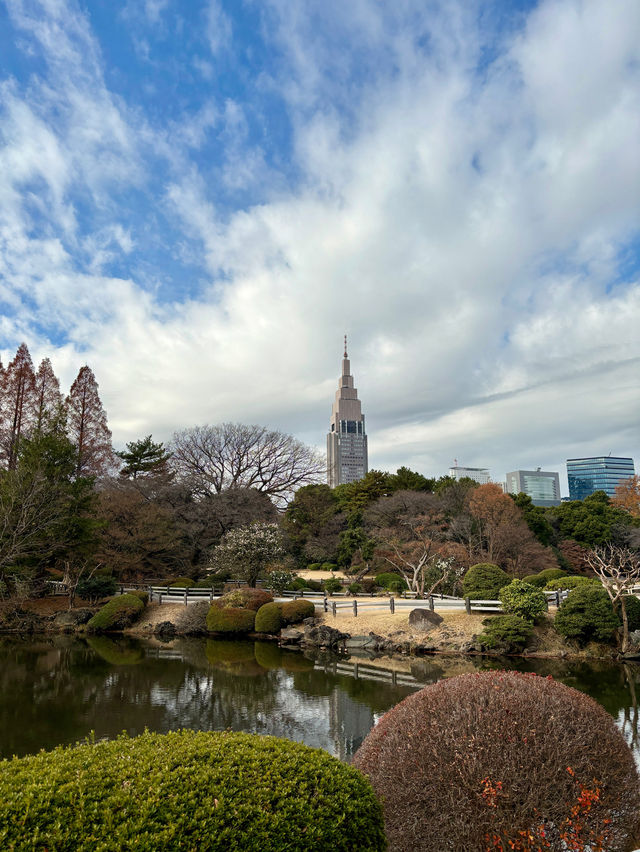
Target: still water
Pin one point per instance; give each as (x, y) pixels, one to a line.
(58, 689)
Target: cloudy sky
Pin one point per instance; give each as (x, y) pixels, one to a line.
(198, 199)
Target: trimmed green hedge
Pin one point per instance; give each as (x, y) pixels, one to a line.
(244, 598)
(587, 615)
(387, 578)
(505, 633)
(522, 599)
(540, 580)
(484, 581)
(183, 583)
(187, 790)
(230, 620)
(269, 618)
(567, 583)
(138, 593)
(120, 612)
(292, 612)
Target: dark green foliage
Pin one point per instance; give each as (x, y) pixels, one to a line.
(95, 588)
(632, 606)
(118, 652)
(571, 582)
(244, 598)
(139, 593)
(331, 585)
(144, 456)
(535, 518)
(119, 613)
(540, 580)
(183, 583)
(385, 580)
(329, 566)
(587, 615)
(214, 792)
(405, 479)
(217, 579)
(293, 612)
(230, 620)
(505, 633)
(592, 521)
(315, 566)
(269, 618)
(314, 585)
(520, 598)
(357, 496)
(355, 588)
(484, 581)
(298, 583)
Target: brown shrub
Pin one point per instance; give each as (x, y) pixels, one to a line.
(502, 760)
(244, 598)
(292, 612)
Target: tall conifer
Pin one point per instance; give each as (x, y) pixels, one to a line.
(48, 399)
(17, 395)
(87, 425)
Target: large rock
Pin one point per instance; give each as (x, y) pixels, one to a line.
(324, 636)
(72, 617)
(424, 619)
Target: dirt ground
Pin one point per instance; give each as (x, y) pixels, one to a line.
(52, 604)
(458, 626)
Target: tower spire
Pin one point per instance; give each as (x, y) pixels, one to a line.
(345, 346)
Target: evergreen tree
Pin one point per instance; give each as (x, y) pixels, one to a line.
(87, 425)
(17, 394)
(48, 399)
(144, 456)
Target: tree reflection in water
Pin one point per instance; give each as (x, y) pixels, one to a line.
(57, 689)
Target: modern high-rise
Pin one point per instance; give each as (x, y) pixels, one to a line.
(478, 474)
(543, 486)
(347, 439)
(601, 473)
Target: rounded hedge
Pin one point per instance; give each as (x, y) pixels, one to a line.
(386, 578)
(331, 585)
(292, 612)
(143, 596)
(505, 633)
(186, 790)
(519, 598)
(632, 605)
(481, 761)
(244, 598)
(587, 615)
(230, 620)
(567, 583)
(182, 583)
(484, 581)
(117, 614)
(268, 618)
(540, 580)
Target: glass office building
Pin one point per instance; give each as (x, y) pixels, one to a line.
(597, 474)
(543, 486)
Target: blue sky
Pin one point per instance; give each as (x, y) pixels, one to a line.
(199, 199)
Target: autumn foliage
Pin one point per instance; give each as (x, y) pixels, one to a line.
(502, 761)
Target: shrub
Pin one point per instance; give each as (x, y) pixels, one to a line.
(484, 581)
(397, 587)
(587, 615)
(329, 566)
(314, 585)
(118, 652)
(385, 579)
(268, 618)
(182, 583)
(632, 605)
(540, 580)
(117, 614)
(244, 598)
(184, 790)
(230, 620)
(332, 585)
(567, 583)
(292, 612)
(369, 585)
(519, 598)
(143, 596)
(279, 580)
(315, 566)
(354, 588)
(95, 588)
(521, 757)
(298, 583)
(505, 633)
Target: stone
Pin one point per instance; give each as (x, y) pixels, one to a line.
(165, 631)
(424, 619)
(369, 642)
(73, 617)
(324, 636)
(291, 635)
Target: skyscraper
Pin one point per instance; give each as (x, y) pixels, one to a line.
(347, 439)
(543, 486)
(601, 473)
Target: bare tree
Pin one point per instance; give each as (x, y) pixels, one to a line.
(87, 422)
(618, 569)
(233, 455)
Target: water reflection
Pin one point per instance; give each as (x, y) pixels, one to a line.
(58, 689)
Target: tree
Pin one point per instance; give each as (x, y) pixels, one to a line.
(47, 396)
(618, 569)
(231, 455)
(17, 400)
(535, 518)
(591, 522)
(246, 551)
(87, 422)
(358, 495)
(144, 456)
(312, 523)
(405, 479)
(627, 496)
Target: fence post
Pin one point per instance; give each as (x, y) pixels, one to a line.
(392, 604)
(168, 587)
(431, 603)
(211, 595)
(326, 604)
(467, 605)
(333, 608)
(186, 592)
(159, 597)
(355, 607)
(558, 598)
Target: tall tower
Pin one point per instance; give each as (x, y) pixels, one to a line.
(347, 439)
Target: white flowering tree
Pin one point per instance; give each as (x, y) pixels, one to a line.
(246, 551)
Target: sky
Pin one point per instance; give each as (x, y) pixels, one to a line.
(199, 199)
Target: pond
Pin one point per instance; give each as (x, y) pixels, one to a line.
(58, 689)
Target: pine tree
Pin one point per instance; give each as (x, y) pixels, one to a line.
(48, 399)
(144, 456)
(87, 425)
(17, 401)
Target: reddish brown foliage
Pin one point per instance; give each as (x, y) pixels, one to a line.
(504, 761)
(88, 428)
(48, 399)
(576, 556)
(17, 400)
(627, 496)
(244, 598)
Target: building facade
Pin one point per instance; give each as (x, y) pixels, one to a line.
(543, 486)
(347, 456)
(601, 473)
(478, 474)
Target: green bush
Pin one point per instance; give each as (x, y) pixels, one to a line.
(385, 579)
(117, 614)
(118, 652)
(587, 615)
(315, 566)
(566, 583)
(397, 587)
(95, 588)
(540, 580)
(215, 792)
(519, 598)
(505, 633)
(484, 581)
(269, 618)
(355, 588)
(143, 596)
(632, 605)
(314, 585)
(182, 583)
(244, 598)
(292, 612)
(230, 620)
(298, 583)
(329, 566)
(331, 585)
